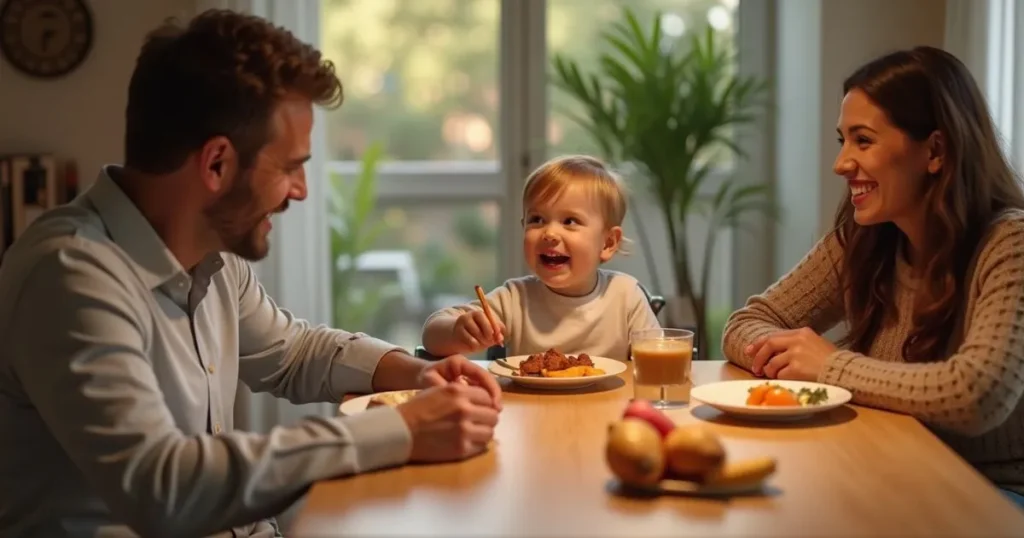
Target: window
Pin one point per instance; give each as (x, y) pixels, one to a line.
(422, 79)
(426, 255)
(1005, 70)
(422, 76)
(574, 29)
(987, 37)
(454, 92)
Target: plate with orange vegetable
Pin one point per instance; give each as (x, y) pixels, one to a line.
(771, 399)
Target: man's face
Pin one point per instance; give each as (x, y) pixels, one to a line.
(241, 216)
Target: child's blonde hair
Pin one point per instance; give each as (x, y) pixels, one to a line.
(554, 177)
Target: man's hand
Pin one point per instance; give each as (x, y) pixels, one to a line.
(449, 422)
(797, 354)
(456, 369)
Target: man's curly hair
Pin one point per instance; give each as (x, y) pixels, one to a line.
(221, 75)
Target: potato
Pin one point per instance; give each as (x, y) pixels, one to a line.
(575, 371)
(694, 452)
(634, 452)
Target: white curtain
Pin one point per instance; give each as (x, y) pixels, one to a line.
(297, 271)
(988, 36)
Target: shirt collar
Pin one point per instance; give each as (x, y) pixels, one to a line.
(135, 235)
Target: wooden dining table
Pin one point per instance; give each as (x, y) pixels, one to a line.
(851, 471)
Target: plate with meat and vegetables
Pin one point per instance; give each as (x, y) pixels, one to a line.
(555, 370)
(771, 399)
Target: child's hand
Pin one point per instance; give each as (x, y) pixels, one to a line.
(474, 331)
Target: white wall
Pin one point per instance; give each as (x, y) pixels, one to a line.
(81, 116)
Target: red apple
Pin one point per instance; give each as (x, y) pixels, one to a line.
(643, 410)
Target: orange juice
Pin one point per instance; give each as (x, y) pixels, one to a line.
(661, 362)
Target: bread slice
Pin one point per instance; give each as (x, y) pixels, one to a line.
(391, 399)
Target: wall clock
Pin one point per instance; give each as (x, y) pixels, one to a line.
(45, 38)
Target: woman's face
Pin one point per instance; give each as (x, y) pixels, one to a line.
(886, 170)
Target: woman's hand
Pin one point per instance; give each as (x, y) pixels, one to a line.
(797, 354)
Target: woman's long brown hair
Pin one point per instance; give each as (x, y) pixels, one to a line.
(922, 91)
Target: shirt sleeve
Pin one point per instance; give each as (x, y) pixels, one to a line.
(291, 359)
(640, 315)
(86, 372)
(977, 388)
(499, 299)
(808, 296)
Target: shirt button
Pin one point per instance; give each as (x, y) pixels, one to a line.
(210, 368)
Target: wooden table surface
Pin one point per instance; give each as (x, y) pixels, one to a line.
(854, 471)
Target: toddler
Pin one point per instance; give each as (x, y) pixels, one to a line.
(573, 208)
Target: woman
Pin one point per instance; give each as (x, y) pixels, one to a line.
(925, 265)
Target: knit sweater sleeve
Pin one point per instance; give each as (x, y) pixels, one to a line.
(977, 388)
(808, 296)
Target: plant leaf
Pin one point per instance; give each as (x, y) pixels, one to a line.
(668, 108)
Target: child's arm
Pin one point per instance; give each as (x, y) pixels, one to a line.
(640, 315)
(439, 334)
(465, 329)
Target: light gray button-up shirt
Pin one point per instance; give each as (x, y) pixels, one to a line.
(118, 371)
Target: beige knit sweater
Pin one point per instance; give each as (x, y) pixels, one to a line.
(970, 398)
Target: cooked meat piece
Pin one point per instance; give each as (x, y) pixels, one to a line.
(532, 365)
(540, 361)
(552, 360)
(581, 360)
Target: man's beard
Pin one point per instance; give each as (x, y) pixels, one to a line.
(236, 219)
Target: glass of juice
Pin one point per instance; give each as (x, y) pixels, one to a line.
(661, 366)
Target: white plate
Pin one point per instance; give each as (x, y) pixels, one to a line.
(730, 397)
(358, 405)
(611, 367)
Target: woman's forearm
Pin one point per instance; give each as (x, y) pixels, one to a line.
(808, 296)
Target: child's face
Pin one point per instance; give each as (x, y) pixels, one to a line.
(566, 240)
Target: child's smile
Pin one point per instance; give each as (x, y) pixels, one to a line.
(566, 240)
(552, 259)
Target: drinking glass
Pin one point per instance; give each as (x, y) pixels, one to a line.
(662, 360)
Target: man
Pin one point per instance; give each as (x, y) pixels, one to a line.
(129, 315)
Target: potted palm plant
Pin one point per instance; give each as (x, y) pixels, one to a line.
(353, 231)
(664, 108)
